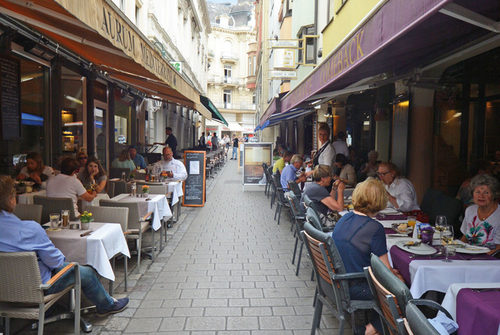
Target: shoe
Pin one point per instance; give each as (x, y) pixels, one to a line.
(118, 306)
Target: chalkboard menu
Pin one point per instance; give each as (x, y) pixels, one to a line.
(10, 108)
(194, 186)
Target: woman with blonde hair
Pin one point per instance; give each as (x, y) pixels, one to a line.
(317, 192)
(35, 170)
(357, 235)
(124, 161)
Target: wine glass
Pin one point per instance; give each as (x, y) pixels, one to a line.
(447, 240)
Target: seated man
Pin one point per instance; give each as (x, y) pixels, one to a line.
(318, 193)
(137, 158)
(279, 165)
(18, 235)
(174, 168)
(290, 172)
(400, 191)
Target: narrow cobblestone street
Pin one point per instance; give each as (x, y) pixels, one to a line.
(227, 270)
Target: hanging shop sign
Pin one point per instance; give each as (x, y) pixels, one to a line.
(254, 154)
(284, 58)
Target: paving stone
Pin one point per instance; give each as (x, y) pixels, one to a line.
(210, 302)
(194, 293)
(223, 311)
(206, 323)
(188, 311)
(176, 303)
(153, 312)
(270, 322)
(257, 311)
(143, 325)
(172, 324)
(225, 293)
(242, 323)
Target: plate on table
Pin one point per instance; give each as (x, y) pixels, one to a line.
(414, 246)
(389, 211)
(465, 248)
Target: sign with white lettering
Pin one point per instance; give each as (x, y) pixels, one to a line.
(283, 74)
(284, 43)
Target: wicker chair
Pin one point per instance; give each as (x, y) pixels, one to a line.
(54, 205)
(29, 212)
(137, 225)
(22, 292)
(113, 215)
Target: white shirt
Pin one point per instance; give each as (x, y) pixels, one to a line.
(64, 186)
(327, 157)
(481, 232)
(341, 148)
(176, 166)
(47, 170)
(404, 192)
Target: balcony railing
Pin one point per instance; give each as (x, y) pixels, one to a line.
(228, 58)
(233, 106)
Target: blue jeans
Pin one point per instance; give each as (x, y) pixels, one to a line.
(235, 152)
(91, 286)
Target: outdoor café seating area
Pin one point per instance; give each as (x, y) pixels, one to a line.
(439, 276)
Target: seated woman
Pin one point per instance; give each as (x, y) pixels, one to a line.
(124, 161)
(370, 168)
(93, 176)
(35, 170)
(357, 235)
(317, 192)
(347, 173)
(400, 191)
(82, 158)
(481, 224)
(66, 185)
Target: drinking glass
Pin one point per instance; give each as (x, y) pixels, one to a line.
(440, 223)
(65, 217)
(54, 220)
(412, 221)
(447, 240)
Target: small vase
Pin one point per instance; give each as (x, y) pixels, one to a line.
(84, 224)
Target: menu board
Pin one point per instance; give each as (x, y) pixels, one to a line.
(254, 154)
(10, 107)
(194, 185)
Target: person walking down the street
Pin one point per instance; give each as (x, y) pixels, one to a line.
(340, 145)
(235, 147)
(137, 158)
(19, 235)
(215, 142)
(171, 140)
(173, 168)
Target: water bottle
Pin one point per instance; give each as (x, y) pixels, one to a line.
(123, 175)
(134, 189)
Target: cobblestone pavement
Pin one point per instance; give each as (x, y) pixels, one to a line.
(226, 270)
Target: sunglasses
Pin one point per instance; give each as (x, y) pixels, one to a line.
(382, 174)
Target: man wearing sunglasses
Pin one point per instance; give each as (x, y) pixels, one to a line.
(400, 191)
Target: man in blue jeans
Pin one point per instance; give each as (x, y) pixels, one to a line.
(18, 235)
(235, 147)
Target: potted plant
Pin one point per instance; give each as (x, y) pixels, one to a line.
(85, 219)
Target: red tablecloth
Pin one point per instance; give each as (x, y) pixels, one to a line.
(478, 312)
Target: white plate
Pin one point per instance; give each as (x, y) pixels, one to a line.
(389, 211)
(422, 249)
(470, 249)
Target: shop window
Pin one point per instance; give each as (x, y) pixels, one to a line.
(122, 120)
(72, 113)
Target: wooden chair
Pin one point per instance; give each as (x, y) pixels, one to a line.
(54, 205)
(417, 322)
(332, 279)
(29, 212)
(22, 292)
(117, 215)
(137, 225)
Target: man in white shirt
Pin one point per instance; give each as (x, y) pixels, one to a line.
(66, 185)
(175, 169)
(400, 191)
(340, 145)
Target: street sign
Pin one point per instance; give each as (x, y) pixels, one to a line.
(284, 43)
(283, 74)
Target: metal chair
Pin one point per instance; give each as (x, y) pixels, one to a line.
(54, 205)
(265, 168)
(29, 212)
(417, 322)
(117, 172)
(294, 187)
(137, 225)
(298, 218)
(280, 197)
(113, 215)
(116, 187)
(332, 279)
(22, 292)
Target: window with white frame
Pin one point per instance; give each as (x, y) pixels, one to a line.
(227, 99)
(227, 73)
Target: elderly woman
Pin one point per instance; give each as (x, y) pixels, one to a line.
(357, 235)
(35, 170)
(318, 193)
(481, 224)
(347, 174)
(93, 176)
(400, 191)
(370, 168)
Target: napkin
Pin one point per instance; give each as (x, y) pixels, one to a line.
(443, 324)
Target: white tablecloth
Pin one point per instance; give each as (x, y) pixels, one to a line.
(96, 249)
(95, 202)
(27, 198)
(450, 299)
(157, 204)
(437, 275)
(175, 187)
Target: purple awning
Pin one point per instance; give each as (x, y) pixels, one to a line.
(401, 35)
(272, 108)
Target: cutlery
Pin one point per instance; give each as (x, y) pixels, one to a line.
(86, 233)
